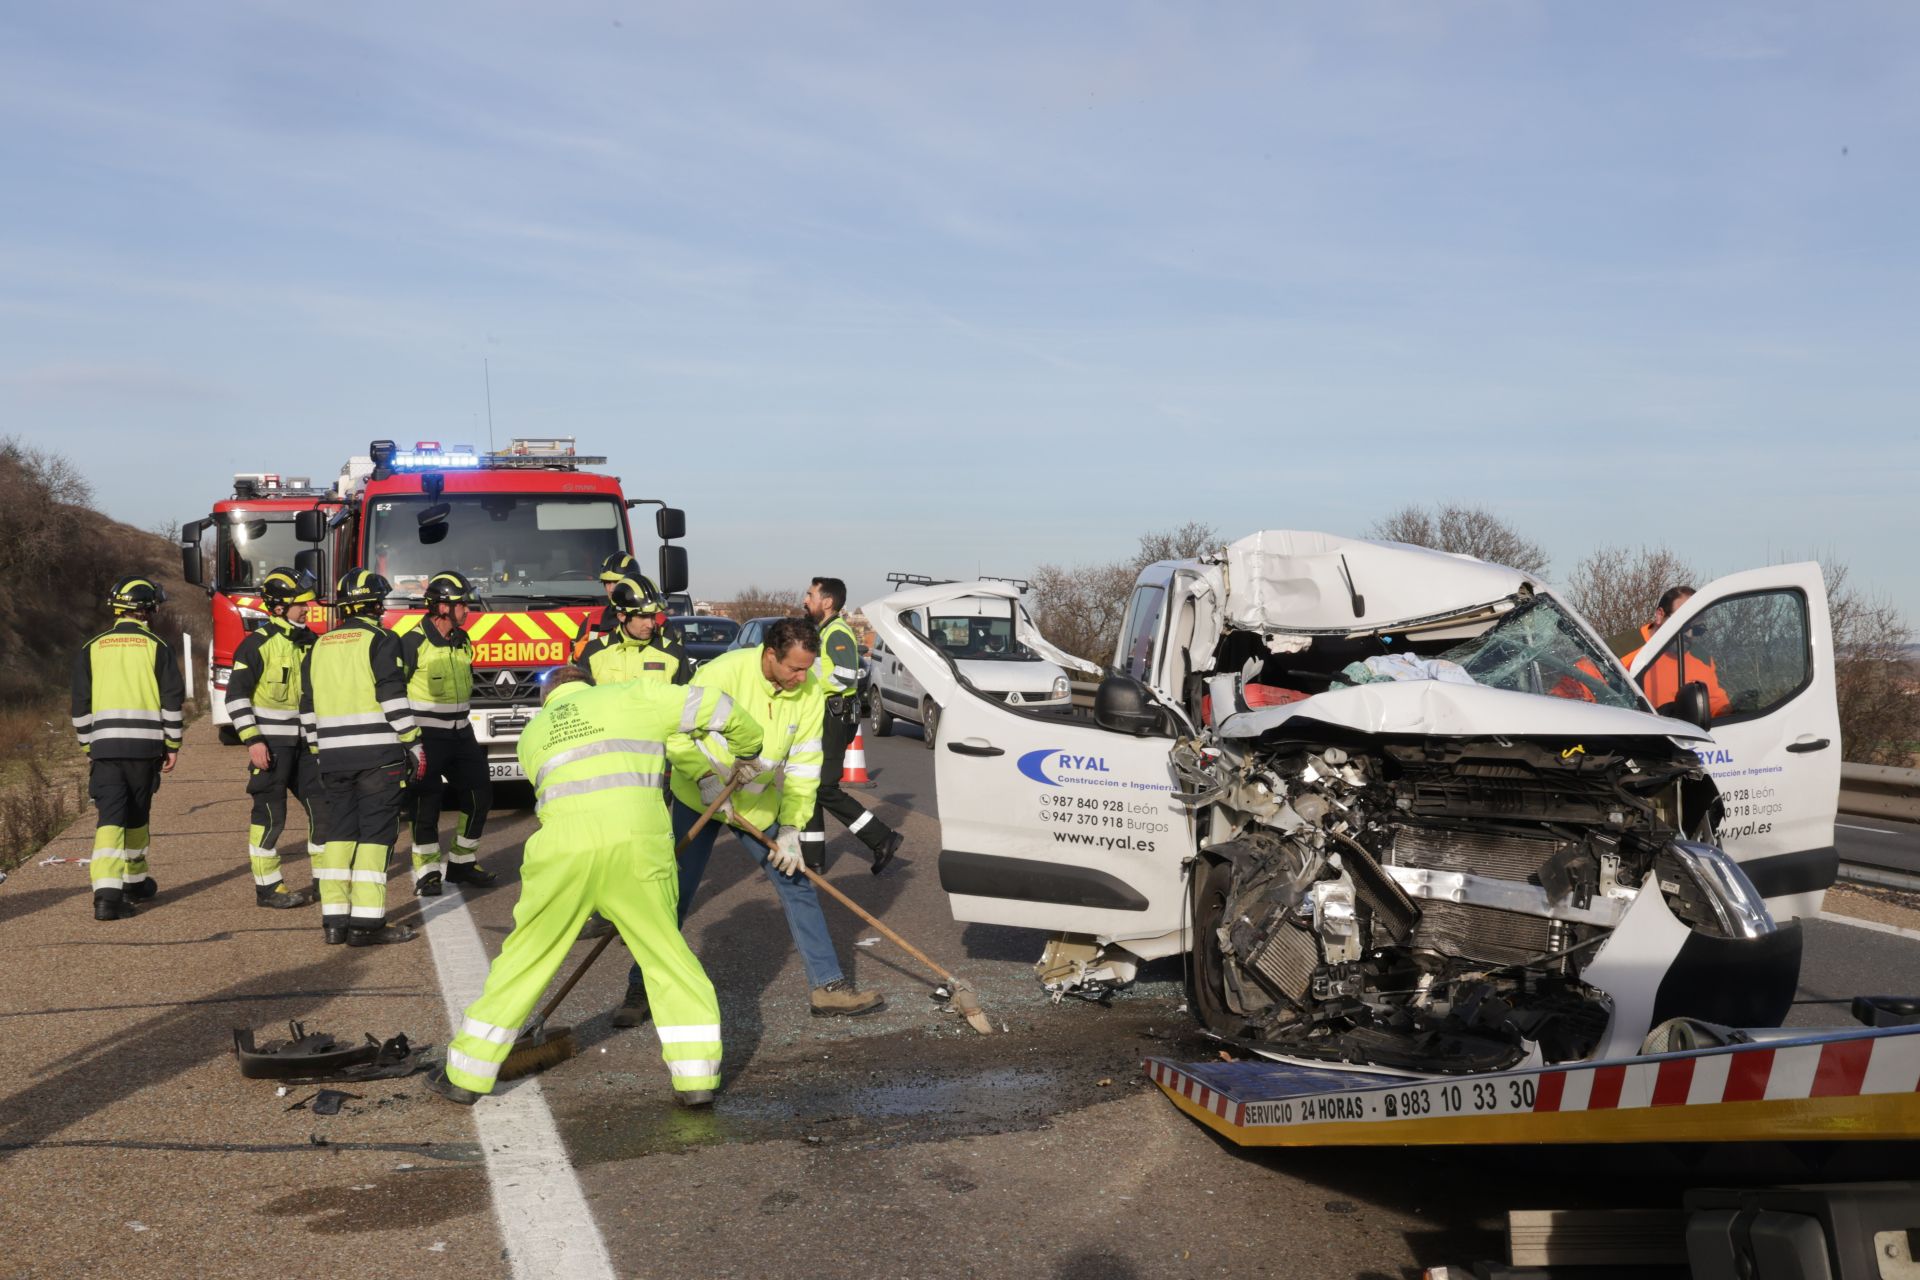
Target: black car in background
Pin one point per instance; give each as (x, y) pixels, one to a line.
(704, 635)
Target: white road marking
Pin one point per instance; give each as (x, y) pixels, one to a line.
(543, 1214)
(1874, 925)
(1879, 831)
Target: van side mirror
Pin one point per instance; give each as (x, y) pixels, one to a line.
(310, 525)
(1691, 705)
(310, 562)
(190, 567)
(670, 523)
(673, 570)
(1123, 705)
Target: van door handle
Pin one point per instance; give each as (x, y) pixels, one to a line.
(1818, 744)
(974, 747)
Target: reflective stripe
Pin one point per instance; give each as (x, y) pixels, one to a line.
(329, 722)
(266, 880)
(387, 739)
(369, 877)
(816, 837)
(803, 771)
(861, 821)
(801, 748)
(239, 704)
(473, 1066)
(109, 882)
(487, 1031)
(125, 713)
(427, 850)
(689, 1035)
(394, 704)
(722, 712)
(633, 746)
(606, 782)
(331, 873)
(690, 714)
(333, 908)
(81, 722)
(695, 1067)
(106, 733)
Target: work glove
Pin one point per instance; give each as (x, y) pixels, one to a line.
(785, 854)
(745, 771)
(419, 764)
(710, 788)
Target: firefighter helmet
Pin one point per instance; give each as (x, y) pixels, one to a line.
(284, 587)
(617, 566)
(635, 594)
(448, 587)
(361, 589)
(135, 594)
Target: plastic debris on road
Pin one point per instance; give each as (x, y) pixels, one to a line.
(867, 942)
(70, 862)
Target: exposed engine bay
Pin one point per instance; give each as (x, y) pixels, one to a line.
(1432, 903)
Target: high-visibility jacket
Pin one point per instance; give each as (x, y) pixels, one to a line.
(838, 666)
(791, 723)
(600, 752)
(618, 657)
(127, 695)
(439, 678)
(263, 693)
(1663, 677)
(353, 700)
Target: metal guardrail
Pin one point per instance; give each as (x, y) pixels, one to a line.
(1877, 791)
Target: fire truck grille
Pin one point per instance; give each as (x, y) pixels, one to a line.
(506, 686)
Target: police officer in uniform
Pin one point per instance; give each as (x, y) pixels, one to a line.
(127, 699)
(636, 649)
(353, 703)
(839, 672)
(439, 658)
(263, 699)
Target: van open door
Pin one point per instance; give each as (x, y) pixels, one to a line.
(1762, 643)
(1046, 822)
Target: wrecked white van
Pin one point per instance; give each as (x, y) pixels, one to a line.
(1406, 809)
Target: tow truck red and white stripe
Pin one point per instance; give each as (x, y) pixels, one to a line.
(1846, 1084)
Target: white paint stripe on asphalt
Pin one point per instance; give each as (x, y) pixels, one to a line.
(543, 1214)
(1874, 925)
(1879, 831)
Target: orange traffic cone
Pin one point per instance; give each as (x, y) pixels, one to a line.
(854, 773)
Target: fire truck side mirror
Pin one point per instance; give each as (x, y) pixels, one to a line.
(312, 562)
(310, 525)
(190, 567)
(670, 523)
(673, 569)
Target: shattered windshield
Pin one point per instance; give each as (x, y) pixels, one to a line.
(1539, 648)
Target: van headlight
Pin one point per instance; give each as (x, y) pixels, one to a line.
(1707, 890)
(1061, 687)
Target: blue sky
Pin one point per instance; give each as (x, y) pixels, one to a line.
(957, 287)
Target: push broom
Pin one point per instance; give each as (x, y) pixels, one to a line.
(965, 999)
(541, 1046)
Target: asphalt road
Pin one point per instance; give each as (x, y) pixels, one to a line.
(902, 1144)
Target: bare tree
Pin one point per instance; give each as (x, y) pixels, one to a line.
(1473, 531)
(1874, 669)
(760, 602)
(1080, 607)
(1617, 589)
(1191, 539)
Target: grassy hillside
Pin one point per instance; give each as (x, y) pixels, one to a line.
(58, 556)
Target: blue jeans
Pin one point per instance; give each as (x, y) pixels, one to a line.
(797, 898)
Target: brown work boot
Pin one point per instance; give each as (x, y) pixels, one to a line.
(838, 999)
(634, 1010)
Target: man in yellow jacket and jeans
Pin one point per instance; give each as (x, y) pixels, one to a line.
(598, 759)
(775, 684)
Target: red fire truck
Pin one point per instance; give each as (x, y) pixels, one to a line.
(229, 551)
(527, 525)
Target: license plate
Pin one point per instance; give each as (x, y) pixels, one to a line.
(505, 771)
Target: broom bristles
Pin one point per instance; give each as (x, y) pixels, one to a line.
(531, 1054)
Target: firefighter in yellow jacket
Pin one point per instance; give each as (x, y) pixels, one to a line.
(635, 649)
(263, 699)
(353, 704)
(598, 758)
(128, 695)
(439, 658)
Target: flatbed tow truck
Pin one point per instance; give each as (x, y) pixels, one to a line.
(1788, 1085)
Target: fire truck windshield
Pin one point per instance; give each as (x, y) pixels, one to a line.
(519, 545)
(250, 548)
